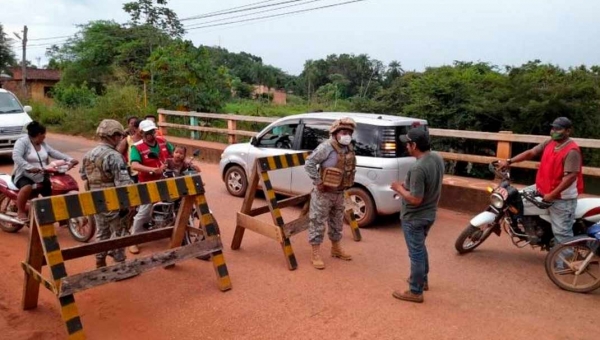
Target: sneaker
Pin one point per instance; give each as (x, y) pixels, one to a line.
(408, 296)
(425, 286)
(134, 249)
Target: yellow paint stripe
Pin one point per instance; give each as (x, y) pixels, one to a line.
(153, 192)
(288, 250)
(265, 176)
(218, 260)
(201, 200)
(206, 219)
(271, 161)
(69, 312)
(224, 283)
(79, 335)
(189, 183)
(54, 257)
(134, 195)
(111, 199)
(276, 212)
(87, 203)
(270, 194)
(59, 206)
(284, 162)
(295, 159)
(173, 191)
(47, 230)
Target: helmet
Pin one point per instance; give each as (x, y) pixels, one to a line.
(594, 231)
(346, 123)
(109, 127)
(147, 125)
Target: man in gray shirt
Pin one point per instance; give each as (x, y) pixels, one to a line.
(420, 196)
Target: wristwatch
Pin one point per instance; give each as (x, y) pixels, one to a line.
(151, 173)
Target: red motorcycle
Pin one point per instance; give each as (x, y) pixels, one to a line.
(82, 229)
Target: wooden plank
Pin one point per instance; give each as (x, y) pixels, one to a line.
(181, 222)
(238, 236)
(264, 228)
(211, 129)
(231, 126)
(94, 278)
(591, 171)
(39, 277)
(295, 227)
(504, 149)
(515, 138)
(35, 259)
(288, 202)
(121, 242)
(224, 116)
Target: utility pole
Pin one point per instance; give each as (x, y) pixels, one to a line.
(24, 62)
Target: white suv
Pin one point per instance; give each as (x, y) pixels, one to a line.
(381, 158)
(13, 121)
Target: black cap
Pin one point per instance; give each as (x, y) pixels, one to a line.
(562, 123)
(416, 135)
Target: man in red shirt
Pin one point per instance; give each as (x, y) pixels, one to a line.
(559, 178)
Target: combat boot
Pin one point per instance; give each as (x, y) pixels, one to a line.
(118, 255)
(317, 262)
(100, 262)
(337, 251)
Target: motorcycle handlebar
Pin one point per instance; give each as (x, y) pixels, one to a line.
(533, 195)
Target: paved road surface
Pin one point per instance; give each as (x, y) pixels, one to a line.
(497, 292)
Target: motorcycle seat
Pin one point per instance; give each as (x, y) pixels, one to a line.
(588, 208)
(9, 183)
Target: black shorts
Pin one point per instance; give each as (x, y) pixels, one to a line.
(45, 190)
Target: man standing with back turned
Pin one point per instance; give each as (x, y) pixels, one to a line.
(420, 195)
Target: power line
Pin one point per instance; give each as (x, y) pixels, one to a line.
(275, 15)
(263, 11)
(52, 38)
(209, 15)
(228, 9)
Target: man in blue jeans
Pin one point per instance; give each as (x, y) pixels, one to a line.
(420, 194)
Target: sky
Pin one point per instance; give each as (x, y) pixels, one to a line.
(417, 33)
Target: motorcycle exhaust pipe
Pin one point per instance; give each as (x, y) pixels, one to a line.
(6, 218)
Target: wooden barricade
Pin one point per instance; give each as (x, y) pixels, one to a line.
(279, 231)
(44, 248)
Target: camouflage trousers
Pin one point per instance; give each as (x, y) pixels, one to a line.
(110, 225)
(325, 207)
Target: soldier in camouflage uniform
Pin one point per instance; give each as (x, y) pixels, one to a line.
(331, 167)
(104, 167)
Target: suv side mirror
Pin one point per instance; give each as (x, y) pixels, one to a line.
(27, 108)
(254, 141)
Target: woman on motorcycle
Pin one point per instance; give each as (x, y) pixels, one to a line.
(30, 155)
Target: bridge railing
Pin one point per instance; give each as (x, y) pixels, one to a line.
(504, 139)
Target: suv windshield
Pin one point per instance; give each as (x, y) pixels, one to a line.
(9, 104)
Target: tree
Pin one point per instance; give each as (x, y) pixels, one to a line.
(145, 12)
(7, 56)
(186, 78)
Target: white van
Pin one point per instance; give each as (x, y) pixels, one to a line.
(14, 118)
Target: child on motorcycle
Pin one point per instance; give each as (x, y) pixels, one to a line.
(178, 164)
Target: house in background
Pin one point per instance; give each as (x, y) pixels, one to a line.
(39, 83)
(279, 96)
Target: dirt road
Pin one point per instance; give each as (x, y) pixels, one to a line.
(497, 292)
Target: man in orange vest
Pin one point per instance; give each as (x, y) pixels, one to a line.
(148, 157)
(559, 178)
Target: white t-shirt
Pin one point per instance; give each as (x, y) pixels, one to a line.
(32, 158)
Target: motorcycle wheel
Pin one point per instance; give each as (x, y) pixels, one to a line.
(189, 237)
(7, 226)
(563, 261)
(83, 228)
(471, 238)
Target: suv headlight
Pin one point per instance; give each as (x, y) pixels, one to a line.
(497, 200)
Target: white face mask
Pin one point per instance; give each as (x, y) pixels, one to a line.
(345, 140)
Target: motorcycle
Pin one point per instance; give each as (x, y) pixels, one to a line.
(81, 229)
(575, 264)
(523, 215)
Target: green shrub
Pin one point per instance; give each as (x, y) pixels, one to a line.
(73, 96)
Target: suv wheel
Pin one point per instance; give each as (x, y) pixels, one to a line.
(236, 181)
(362, 205)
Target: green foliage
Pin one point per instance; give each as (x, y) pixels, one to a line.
(158, 16)
(7, 56)
(241, 89)
(72, 96)
(185, 78)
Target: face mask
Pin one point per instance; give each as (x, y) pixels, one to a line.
(345, 140)
(557, 135)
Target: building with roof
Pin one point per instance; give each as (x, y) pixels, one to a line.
(40, 82)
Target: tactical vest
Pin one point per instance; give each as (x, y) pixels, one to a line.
(97, 178)
(144, 151)
(341, 176)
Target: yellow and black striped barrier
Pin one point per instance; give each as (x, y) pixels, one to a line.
(279, 230)
(44, 247)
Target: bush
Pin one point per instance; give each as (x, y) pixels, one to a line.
(72, 96)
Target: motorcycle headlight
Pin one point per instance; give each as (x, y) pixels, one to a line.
(497, 200)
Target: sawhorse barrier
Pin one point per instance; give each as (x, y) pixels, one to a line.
(44, 248)
(279, 230)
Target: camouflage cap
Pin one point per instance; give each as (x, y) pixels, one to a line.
(109, 127)
(345, 123)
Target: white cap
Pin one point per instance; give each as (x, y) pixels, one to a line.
(147, 125)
